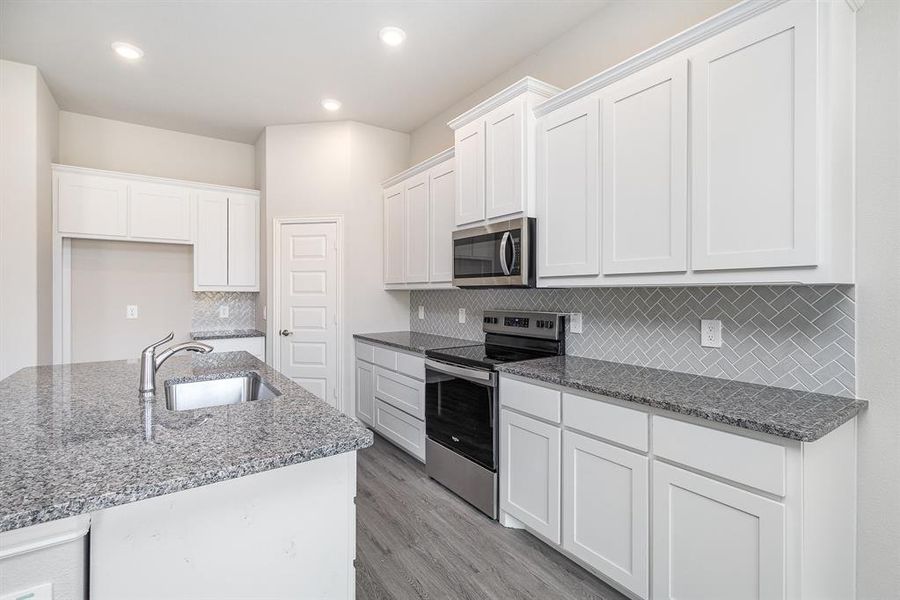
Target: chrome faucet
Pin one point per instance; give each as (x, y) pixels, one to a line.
(150, 362)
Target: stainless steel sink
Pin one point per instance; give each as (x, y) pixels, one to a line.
(189, 395)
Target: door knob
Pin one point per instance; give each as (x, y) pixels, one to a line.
(285, 332)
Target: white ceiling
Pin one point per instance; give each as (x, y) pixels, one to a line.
(227, 69)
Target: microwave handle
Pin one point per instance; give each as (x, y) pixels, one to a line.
(503, 243)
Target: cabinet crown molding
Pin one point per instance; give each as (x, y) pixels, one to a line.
(58, 168)
(419, 168)
(526, 84)
(716, 24)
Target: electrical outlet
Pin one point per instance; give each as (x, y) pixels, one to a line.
(223, 311)
(421, 312)
(575, 323)
(131, 311)
(711, 333)
(462, 315)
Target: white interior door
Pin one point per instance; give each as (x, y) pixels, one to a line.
(307, 332)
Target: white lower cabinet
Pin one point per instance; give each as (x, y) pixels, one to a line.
(390, 395)
(365, 392)
(668, 508)
(713, 540)
(606, 495)
(254, 345)
(530, 472)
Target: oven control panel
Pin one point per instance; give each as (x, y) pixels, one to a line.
(547, 325)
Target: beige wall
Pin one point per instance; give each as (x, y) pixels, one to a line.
(878, 297)
(122, 270)
(108, 276)
(28, 144)
(336, 169)
(614, 33)
(88, 141)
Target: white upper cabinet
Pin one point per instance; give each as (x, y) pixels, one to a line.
(416, 252)
(645, 146)
(441, 222)
(226, 247)
(91, 205)
(159, 211)
(505, 160)
(754, 143)
(469, 145)
(568, 200)
(243, 241)
(724, 156)
(394, 234)
(211, 245)
(418, 225)
(495, 167)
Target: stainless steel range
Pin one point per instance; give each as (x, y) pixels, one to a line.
(462, 404)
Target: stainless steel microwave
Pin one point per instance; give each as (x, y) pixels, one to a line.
(495, 255)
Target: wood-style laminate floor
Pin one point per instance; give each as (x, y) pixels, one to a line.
(415, 539)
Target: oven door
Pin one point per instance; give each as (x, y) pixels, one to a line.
(495, 255)
(461, 411)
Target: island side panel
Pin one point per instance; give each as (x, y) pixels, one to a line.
(285, 533)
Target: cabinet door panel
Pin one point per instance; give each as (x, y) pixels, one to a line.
(365, 392)
(159, 212)
(568, 202)
(606, 503)
(211, 244)
(470, 173)
(92, 205)
(754, 143)
(505, 160)
(530, 472)
(394, 234)
(443, 197)
(712, 540)
(416, 252)
(645, 148)
(243, 241)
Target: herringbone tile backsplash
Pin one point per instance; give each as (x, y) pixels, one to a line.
(800, 337)
(241, 311)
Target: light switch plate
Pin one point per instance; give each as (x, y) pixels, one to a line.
(421, 312)
(131, 311)
(462, 315)
(711, 333)
(223, 311)
(575, 323)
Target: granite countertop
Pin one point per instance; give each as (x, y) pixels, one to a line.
(792, 414)
(226, 333)
(72, 437)
(414, 341)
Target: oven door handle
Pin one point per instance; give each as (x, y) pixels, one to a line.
(477, 376)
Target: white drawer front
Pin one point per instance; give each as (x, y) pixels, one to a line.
(402, 429)
(609, 421)
(745, 460)
(411, 365)
(403, 392)
(386, 358)
(255, 345)
(530, 399)
(365, 352)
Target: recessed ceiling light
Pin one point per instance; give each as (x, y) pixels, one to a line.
(392, 36)
(128, 51)
(331, 104)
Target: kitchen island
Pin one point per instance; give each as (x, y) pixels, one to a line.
(247, 500)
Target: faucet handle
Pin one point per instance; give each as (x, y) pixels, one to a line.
(156, 345)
